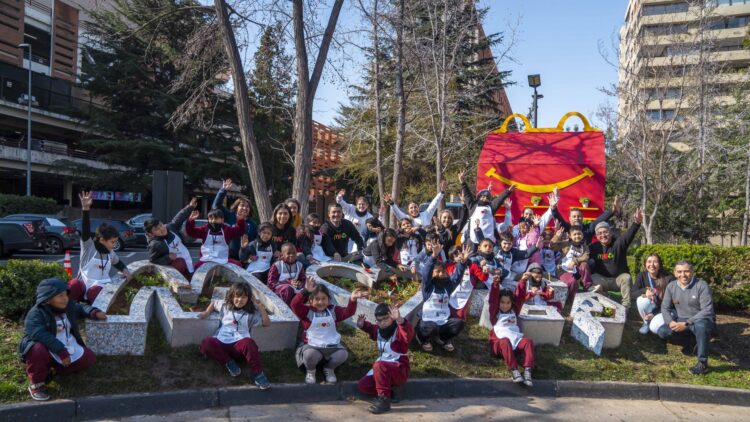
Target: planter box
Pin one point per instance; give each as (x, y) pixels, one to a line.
(597, 333)
(542, 324)
(409, 310)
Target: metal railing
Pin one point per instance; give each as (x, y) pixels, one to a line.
(45, 145)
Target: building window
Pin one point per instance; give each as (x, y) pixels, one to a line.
(655, 30)
(662, 9)
(663, 93)
(661, 115)
(731, 22)
(41, 44)
(720, 3)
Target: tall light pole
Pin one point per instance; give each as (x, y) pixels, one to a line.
(28, 126)
(535, 81)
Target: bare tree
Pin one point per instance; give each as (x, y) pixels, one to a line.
(401, 99)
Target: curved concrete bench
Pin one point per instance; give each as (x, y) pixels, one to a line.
(597, 333)
(126, 334)
(319, 273)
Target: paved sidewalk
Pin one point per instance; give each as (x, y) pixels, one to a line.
(485, 409)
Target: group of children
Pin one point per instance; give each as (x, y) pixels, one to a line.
(509, 260)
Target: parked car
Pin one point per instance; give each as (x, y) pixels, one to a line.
(454, 207)
(137, 224)
(189, 241)
(60, 233)
(127, 234)
(15, 236)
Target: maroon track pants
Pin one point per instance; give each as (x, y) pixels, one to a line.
(244, 350)
(503, 348)
(79, 293)
(385, 375)
(38, 362)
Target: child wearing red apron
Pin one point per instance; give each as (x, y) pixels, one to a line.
(393, 334)
(534, 290)
(216, 236)
(287, 275)
(321, 342)
(239, 312)
(506, 339)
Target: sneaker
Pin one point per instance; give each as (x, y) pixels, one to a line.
(397, 393)
(700, 368)
(516, 376)
(39, 392)
(596, 289)
(330, 376)
(644, 328)
(310, 377)
(427, 347)
(448, 346)
(527, 377)
(261, 380)
(233, 368)
(381, 405)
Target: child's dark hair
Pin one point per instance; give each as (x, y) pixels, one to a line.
(506, 237)
(485, 240)
(265, 226)
(149, 224)
(509, 293)
(438, 265)
(276, 210)
(432, 237)
(382, 310)
(215, 213)
(454, 250)
(287, 245)
(106, 232)
(240, 289)
(320, 288)
(374, 222)
(401, 221)
(576, 228)
(312, 216)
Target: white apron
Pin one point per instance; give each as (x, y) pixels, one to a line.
(287, 272)
(537, 299)
(215, 249)
(322, 331)
(519, 266)
(96, 271)
(507, 327)
(548, 261)
(262, 264)
(178, 248)
(486, 223)
(436, 309)
(460, 297)
(317, 249)
(63, 335)
(385, 353)
(509, 281)
(235, 325)
(408, 252)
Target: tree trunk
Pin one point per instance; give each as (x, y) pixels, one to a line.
(401, 97)
(746, 215)
(244, 114)
(378, 128)
(306, 87)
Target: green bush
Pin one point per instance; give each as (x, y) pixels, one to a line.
(18, 281)
(726, 270)
(15, 204)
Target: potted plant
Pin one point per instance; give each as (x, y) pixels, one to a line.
(584, 201)
(536, 200)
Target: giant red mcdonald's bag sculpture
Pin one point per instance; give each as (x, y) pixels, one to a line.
(540, 159)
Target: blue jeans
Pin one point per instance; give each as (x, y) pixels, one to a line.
(701, 329)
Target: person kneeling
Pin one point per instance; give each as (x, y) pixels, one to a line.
(393, 334)
(505, 337)
(51, 336)
(437, 288)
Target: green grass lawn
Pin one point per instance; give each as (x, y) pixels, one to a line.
(639, 359)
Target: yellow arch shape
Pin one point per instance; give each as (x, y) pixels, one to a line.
(587, 172)
(559, 128)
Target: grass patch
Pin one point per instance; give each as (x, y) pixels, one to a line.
(121, 304)
(387, 291)
(639, 359)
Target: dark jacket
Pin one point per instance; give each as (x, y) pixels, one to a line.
(660, 285)
(336, 239)
(428, 286)
(381, 253)
(588, 228)
(230, 217)
(471, 201)
(40, 325)
(612, 260)
(158, 250)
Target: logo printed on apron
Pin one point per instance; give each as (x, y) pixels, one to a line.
(322, 331)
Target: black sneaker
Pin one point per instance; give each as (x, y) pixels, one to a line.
(397, 394)
(700, 368)
(381, 405)
(39, 392)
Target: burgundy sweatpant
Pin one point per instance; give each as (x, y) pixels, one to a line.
(503, 348)
(462, 313)
(384, 376)
(231, 261)
(572, 283)
(78, 291)
(286, 292)
(180, 265)
(243, 350)
(39, 361)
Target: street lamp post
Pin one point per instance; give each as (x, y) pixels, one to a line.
(28, 125)
(535, 81)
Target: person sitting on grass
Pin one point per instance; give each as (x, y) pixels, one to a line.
(506, 339)
(418, 219)
(688, 311)
(337, 233)
(390, 371)
(51, 337)
(534, 290)
(165, 246)
(97, 257)
(286, 277)
(215, 236)
(437, 286)
(321, 342)
(610, 270)
(259, 253)
(239, 312)
(649, 292)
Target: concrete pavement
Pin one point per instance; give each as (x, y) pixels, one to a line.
(461, 409)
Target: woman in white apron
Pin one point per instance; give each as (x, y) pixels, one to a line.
(321, 342)
(391, 369)
(165, 247)
(505, 337)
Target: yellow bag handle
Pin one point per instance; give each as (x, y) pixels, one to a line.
(560, 125)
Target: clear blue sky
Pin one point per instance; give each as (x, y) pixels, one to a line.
(557, 39)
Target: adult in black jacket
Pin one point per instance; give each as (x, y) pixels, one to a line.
(482, 208)
(165, 245)
(575, 218)
(51, 336)
(337, 233)
(610, 270)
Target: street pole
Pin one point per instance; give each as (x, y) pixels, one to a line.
(536, 108)
(535, 81)
(28, 126)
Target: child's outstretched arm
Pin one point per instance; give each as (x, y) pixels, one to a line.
(430, 211)
(367, 327)
(494, 300)
(86, 202)
(176, 224)
(220, 195)
(394, 207)
(349, 209)
(265, 320)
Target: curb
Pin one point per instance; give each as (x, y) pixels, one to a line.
(123, 405)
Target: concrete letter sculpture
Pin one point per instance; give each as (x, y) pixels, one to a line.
(597, 332)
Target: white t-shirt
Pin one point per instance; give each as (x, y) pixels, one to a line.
(235, 325)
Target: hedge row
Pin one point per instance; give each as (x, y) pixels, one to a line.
(18, 281)
(15, 204)
(726, 270)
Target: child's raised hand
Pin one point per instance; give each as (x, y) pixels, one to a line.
(638, 216)
(193, 203)
(356, 294)
(100, 316)
(465, 252)
(507, 203)
(526, 275)
(387, 197)
(443, 185)
(227, 184)
(394, 313)
(461, 176)
(436, 249)
(310, 284)
(245, 241)
(86, 200)
(540, 242)
(194, 215)
(341, 193)
(537, 220)
(361, 320)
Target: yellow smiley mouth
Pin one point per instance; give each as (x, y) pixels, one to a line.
(587, 172)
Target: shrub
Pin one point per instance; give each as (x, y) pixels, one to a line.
(726, 270)
(18, 281)
(15, 204)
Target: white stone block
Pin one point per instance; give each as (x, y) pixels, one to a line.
(586, 327)
(542, 324)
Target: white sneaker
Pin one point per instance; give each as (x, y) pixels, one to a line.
(330, 376)
(310, 377)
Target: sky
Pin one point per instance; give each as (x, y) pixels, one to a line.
(560, 40)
